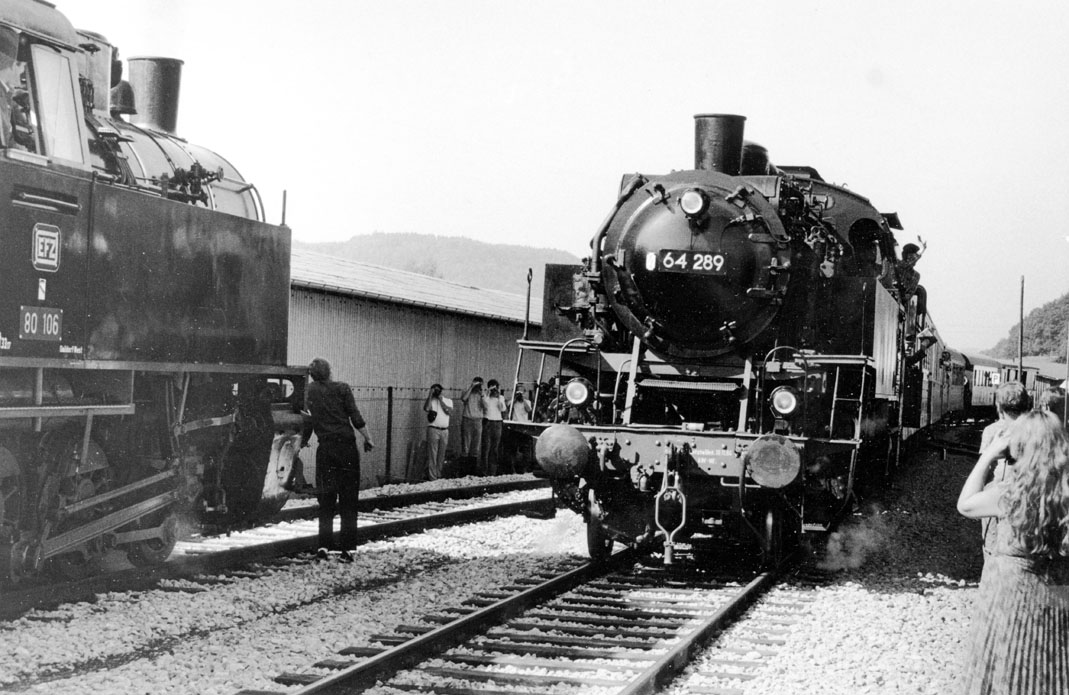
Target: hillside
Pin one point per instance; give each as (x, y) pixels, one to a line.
(465, 261)
(1044, 333)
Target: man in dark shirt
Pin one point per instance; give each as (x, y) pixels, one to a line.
(908, 277)
(334, 419)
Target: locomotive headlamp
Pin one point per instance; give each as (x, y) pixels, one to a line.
(579, 391)
(693, 202)
(784, 401)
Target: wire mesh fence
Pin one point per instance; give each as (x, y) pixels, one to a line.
(398, 425)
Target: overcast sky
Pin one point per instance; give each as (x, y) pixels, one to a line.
(512, 122)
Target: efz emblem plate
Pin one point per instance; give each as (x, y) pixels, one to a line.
(47, 242)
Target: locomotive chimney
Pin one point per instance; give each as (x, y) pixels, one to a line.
(156, 82)
(718, 142)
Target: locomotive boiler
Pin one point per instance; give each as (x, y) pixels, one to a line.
(738, 354)
(143, 312)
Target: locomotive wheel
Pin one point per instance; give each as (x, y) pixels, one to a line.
(87, 559)
(243, 475)
(772, 545)
(271, 506)
(285, 457)
(23, 561)
(154, 551)
(84, 562)
(876, 466)
(10, 495)
(893, 446)
(598, 542)
(65, 483)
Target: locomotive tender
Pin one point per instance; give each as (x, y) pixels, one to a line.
(143, 311)
(737, 354)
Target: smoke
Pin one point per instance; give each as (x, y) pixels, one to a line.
(187, 526)
(566, 532)
(850, 547)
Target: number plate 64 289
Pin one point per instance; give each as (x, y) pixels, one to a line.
(700, 262)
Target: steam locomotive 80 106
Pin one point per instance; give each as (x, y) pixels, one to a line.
(740, 350)
(144, 310)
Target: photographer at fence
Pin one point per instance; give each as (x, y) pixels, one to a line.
(438, 409)
(1019, 641)
(471, 421)
(494, 408)
(521, 408)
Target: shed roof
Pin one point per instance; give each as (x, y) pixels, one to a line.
(341, 276)
(1048, 368)
(984, 360)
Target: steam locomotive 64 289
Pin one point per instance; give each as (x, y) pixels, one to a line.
(143, 311)
(740, 349)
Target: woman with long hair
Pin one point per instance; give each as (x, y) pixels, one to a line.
(1019, 642)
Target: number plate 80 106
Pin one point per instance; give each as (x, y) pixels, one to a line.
(40, 323)
(700, 262)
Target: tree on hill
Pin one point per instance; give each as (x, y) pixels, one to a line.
(1044, 333)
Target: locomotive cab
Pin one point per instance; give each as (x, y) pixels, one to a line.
(41, 114)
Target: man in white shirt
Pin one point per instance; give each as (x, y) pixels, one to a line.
(494, 408)
(438, 409)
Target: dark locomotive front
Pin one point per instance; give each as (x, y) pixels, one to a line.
(144, 311)
(731, 356)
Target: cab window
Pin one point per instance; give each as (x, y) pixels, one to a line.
(57, 98)
(18, 128)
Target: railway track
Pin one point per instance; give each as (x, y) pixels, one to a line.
(955, 435)
(198, 563)
(615, 629)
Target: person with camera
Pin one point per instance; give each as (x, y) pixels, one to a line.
(494, 408)
(471, 422)
(335, 420)
(519, 448)
(521, 408)
(1011, 402)
(1019, 640)
(438, 409)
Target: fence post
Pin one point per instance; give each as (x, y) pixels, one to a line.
(389, 431)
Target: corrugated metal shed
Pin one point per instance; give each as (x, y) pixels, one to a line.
(390, 334)
(337, 275)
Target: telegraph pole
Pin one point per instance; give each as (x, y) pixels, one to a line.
(1020, 339)
(1065, 402)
